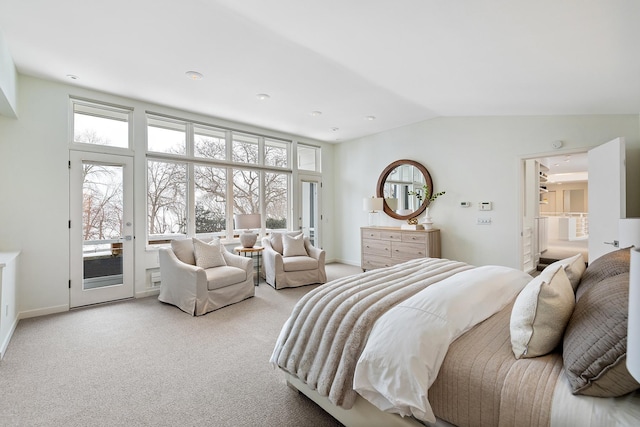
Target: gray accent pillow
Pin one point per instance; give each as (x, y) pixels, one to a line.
(595, 342)
(611, 264)
(184, 250)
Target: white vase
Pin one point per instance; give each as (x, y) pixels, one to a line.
(427, 222)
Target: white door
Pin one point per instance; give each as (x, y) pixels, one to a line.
(100, 228)
(607, 196)
(309, 221)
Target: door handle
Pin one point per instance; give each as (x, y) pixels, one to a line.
(615, 243)
(128, 238)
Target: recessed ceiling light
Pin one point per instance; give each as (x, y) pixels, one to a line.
(72, 76)
(194, 75)
(263, 96)
(370, 118)
(316, 113)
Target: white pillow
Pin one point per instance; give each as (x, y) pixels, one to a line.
(574, 267)
(293, 246)
(276, 239)
(208, 255)
(541, 312)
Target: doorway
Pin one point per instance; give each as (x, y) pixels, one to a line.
(310, 209)
(100, 228)
(555, 208)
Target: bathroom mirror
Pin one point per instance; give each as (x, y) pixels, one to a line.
(395, 184)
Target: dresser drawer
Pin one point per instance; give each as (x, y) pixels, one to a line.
(376, 247)
(408, 251)
(391, 235)
(370, 234)
(414, 237)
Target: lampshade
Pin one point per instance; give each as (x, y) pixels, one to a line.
(629, 232)
(372, 204)
(247, 221)
(633, 329)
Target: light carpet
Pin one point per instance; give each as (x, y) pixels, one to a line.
(144, 363)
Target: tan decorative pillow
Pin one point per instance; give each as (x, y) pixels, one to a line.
(574, 267)
(276, 239)
(293, 246)
(184, 250)
(540, 313)
(595, 343)
(208, 255)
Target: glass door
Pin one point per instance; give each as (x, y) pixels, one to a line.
(100, 228)
(310, 209)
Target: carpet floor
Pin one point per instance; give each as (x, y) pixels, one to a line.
(144, 363)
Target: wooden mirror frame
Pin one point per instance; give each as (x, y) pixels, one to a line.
(383, 179)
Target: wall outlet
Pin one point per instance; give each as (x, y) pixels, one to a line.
(483, 221)
(485, 206)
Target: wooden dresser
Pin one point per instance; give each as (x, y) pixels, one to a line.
(387, 246)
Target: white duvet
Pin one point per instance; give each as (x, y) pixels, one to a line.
(407, 344)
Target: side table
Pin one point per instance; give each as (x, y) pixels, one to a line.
(257, 251)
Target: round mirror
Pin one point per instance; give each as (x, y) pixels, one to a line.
(401, 186)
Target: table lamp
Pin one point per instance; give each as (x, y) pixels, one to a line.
(247, 222)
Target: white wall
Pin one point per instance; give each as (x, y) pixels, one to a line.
(8, 75)
(472, 159)
(34, 189)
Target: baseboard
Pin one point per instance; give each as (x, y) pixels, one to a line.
(148, 293)
(5, 343)
(347, 262)
(43, 311)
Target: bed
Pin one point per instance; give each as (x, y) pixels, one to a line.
(440, 342)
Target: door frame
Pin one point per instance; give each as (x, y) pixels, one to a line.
(78, 296)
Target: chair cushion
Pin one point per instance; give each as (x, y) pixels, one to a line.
(208, 255)
(293, 246)
(299, 263)
(184, 250)
(220, 277)
(276, 239)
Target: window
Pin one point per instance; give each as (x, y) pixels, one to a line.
(99, 124)
(276, 200)
(308, 158)
(210, 143)
(166, 136)
(210, 200)
(199, 176)
(245, 148)
(166, 199)
(276, 153)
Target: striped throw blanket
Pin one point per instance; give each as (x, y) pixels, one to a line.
(328, 328)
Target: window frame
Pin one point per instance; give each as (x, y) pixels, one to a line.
(231, 166)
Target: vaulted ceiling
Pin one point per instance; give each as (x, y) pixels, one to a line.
(363, 66)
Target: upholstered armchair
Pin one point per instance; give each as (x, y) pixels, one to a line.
(290, 260)
(199, 277)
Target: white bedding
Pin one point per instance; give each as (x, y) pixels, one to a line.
(407, 344)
